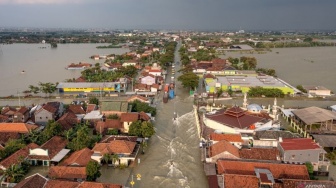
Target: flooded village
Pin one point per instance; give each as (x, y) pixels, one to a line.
(170, 109)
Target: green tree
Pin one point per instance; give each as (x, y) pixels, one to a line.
(113, 116)
(113, 132)
(106, 158)
(310, 168)
(34, 89)
(147, 129)
(82, 139)
(94, 100)
(141, 129)
(189, 80)
(115, 158)
(138, 106)
(47, 88)
(12, 146)
(300, 87)
(92, 170)
(13, 174)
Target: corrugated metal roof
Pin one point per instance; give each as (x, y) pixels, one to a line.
(86, 84)
(314, 114)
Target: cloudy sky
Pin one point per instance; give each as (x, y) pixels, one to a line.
(170, 14)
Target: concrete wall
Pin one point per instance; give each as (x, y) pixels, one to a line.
(43, 117)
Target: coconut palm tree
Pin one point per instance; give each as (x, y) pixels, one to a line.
(115, 158)
(106, 158)
(144, 145)
(13, 174)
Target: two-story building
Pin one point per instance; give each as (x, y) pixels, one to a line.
(302, 150)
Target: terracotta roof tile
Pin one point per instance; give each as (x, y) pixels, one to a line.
(3, 118)
(227, 137)
(88, 184)
(14, 158)
(129, 117)
(50, 108)
(137, 97)
(292, 183)
(53, 145)
(115, 147)
(16, 127)
(80, 79)
(298, 144)
(76, 109)
(223, 146)
(260, 154)
(236, 180)
(5, 136)
(68, 120)
(113, 124)
(33, 181)
(213, 181)
(279, 171)
(61, 184)
(234, 117)
(22, 110)
(78, 158)
(90, 107)
(67, 172)
(8, 110)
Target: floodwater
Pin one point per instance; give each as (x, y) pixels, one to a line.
(173, 156)
(299, 66)
(43, 64)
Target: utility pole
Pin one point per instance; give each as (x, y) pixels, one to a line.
(19, 99)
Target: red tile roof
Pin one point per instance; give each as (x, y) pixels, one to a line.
(68, 120)
(227, 137)
(22, 110)
(67, 172)
(88, 184)
(61, 184)
(14, 158)
(298, 144)
(109, 138)
(115, 147)
(53, 145)
(16, 127)
(80, 79)
(234, 117)
(113, 124)
(213, 181)
(90, 107)
(76, 109)
(137, 97)
(8, 111)
(223, 146)
(33, 181)
(78, 158)
(5, 136)
(292, 183)
(279, 171)
(236, 180)
(129, 117)
(260, 154)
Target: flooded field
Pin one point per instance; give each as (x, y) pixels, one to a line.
(299, 66)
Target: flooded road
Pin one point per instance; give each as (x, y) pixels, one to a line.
(173, 158)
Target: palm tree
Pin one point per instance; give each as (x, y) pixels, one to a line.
(106, 158)
(115, 158)
(13, 174)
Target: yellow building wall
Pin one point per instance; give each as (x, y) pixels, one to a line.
(88, 89)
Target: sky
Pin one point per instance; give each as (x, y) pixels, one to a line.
(170, 14)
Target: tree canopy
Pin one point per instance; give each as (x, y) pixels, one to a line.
(92, 170)
(141, 129)
(189, 80)
(267, 92)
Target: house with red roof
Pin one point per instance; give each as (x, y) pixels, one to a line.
(235, 120)
(53, 151)
(257, 174)
(234, 139)
(21, 116)
(15, 157)
(49, 111)
(127, 150)
(102, 127)
(302, 150)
